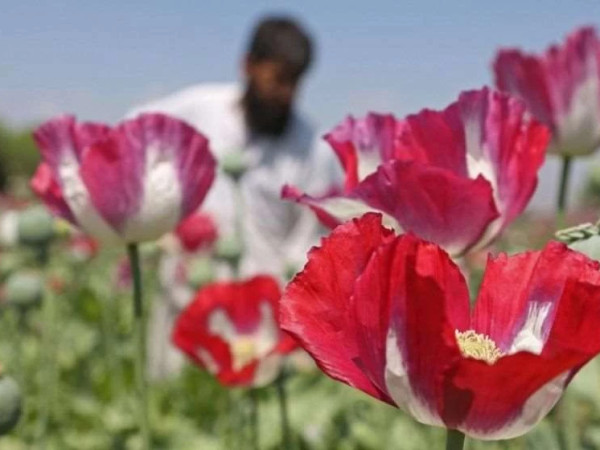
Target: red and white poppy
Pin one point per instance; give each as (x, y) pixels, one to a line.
(390, 315)
(561, 88)
(231, 329)
(456, 177)
(126, 184)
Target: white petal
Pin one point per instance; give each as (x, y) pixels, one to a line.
(399, 388)
(530, 337)
(78, 199)
(160, 211)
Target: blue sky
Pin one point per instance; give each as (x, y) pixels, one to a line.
(97, 59)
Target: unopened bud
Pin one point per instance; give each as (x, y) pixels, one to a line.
(24, 289)
(229, 249)
(233, 164)
(36, 226)
(11, 404)
(201, 272)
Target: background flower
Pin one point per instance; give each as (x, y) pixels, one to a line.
(231, 329)
(126, 184)
(561, 88)
(456, 177)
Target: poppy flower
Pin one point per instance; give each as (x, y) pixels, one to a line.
(456, 177)
(390, 315)
(561, 88)
(127, 184)
(231, 329)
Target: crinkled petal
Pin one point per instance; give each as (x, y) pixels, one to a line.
(315, 307)
(519, 295)
(407, 304)
(508, 398)
(484, 133)
(362, 144)
(434, 203)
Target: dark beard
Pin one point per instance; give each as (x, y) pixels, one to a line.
(265, 118)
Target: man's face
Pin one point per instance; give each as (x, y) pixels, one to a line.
(270, 93)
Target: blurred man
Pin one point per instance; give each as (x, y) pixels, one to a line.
(256, 123)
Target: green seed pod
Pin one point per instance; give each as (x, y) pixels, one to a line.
(24, 289)
(233, 165)
(201, 272)
(36, 226)
(11, 404)
(229, 249)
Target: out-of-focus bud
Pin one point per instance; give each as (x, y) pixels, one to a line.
(24, 289)
(229, 249)
(36, 226)
(233, 165)
(11, 403)
(201, 271)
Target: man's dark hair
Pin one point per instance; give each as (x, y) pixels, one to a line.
(281, 39)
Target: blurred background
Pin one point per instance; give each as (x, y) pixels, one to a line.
(98, 59)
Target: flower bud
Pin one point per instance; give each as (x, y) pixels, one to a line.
(11, 404)
(233, 165)
(229, 249)
(201, 272)
(24, 289)
(36, 226)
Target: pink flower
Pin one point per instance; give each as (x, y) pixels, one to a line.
(456, 177)
(390, 315)
(231, 329)
(126, 184)
(561, 89)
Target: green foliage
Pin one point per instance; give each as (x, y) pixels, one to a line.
(19, 155)
(72, 356)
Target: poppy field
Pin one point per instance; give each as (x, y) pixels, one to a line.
(433, 310)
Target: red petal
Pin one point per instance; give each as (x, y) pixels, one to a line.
(45, 186)
(434, 203)
(315, 307)
(487, 400)
(354, 139)
(512, 286)
(414, 288)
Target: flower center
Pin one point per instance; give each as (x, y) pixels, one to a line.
(243, 351)
(477, 346)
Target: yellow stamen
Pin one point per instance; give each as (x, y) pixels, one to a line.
(478, 346)
(243, 351)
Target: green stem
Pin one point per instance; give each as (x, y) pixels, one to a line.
(140, 334)
(254, 430)
(455, 440)
(47, 378)
(286, 438)
(561, 203)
